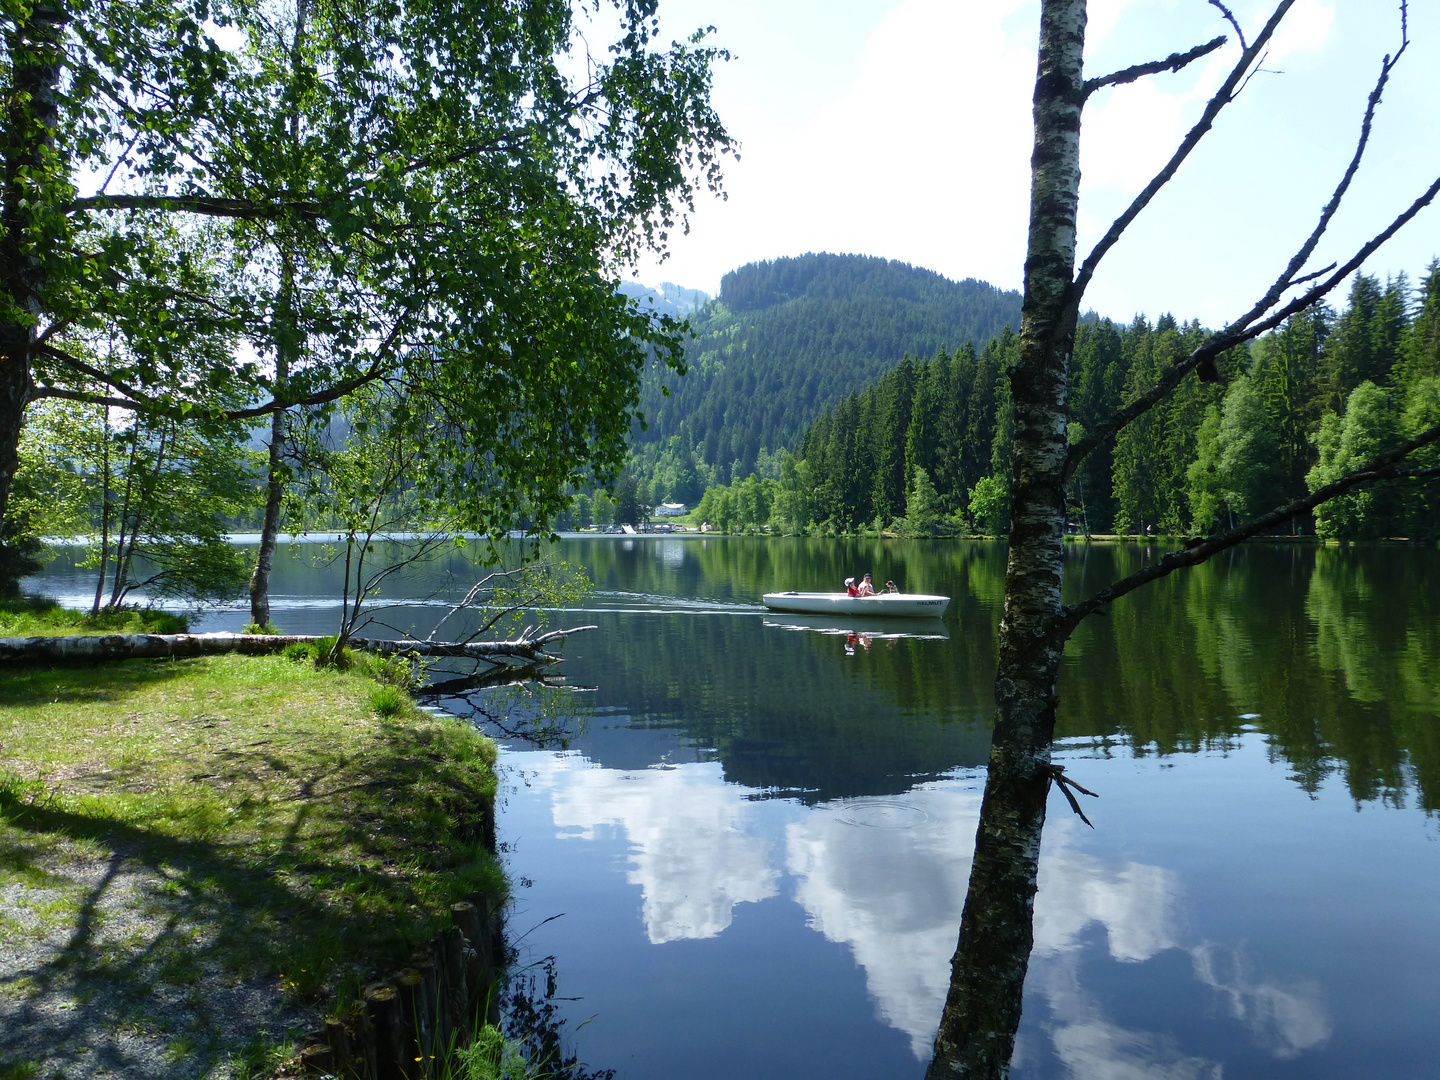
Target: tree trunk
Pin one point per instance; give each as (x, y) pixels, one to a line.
(982, 1011)
(57, 650)
(288, 345)
(270, 528)
(35, 55)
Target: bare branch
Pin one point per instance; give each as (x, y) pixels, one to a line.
(1222, 97)
(1230, 18)
(1233, 335)
(558, 634)
(1173, 62)
(1313, 275)
(1064, 783)
(470, 597)
(1382, 467)
(1301, 256)
(118, 162)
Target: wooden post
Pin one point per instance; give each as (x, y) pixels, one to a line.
(345, 1066)
(410, 997)
(427, 1008)
(457, 1015)
(382, 1012)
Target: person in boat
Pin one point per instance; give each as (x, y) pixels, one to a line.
(866, 587)
(850, 589)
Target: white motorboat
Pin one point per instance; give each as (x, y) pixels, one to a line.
(890, 605)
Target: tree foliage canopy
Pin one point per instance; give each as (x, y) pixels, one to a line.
(449, 188)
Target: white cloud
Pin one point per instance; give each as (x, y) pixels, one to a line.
(1137, 904)
(923, 157)
(694, 852)
(915, 145)
(1306, 29)
(1283, 1019)
(894, 896)
(1093, 1048)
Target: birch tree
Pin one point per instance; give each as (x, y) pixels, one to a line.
(440, 194)
(982, 1010)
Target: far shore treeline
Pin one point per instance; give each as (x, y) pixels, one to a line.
(927, 446)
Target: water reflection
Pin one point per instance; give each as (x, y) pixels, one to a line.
(1283, 1019)
(693, 852)
(881, 629)
(787, 829)
(892, 896)
(885, 879)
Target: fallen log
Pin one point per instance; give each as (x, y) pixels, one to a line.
(70, 650)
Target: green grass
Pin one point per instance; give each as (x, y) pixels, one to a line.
(387, 700)
(303, 830)
(34, 617)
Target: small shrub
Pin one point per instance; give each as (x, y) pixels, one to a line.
(343, 661)
(406, 672)
(387, 700)
(299, 652)
(269, 629)
(490, 1057)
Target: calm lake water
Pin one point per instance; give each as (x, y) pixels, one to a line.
(751, 856)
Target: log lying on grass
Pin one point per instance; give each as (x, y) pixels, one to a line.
(68, 650)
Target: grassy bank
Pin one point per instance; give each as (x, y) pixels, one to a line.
(34, 617)
(175, 835)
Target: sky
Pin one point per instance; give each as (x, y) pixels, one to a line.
(902, 129)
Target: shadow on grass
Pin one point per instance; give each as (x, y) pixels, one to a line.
(219, 909)
(84, 685)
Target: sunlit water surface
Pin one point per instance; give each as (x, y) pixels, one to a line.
(750, 858)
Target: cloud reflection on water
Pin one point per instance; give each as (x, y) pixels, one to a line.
(894, 896)
(887, 878)
(695, 852)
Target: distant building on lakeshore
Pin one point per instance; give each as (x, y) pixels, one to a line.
(670, 510)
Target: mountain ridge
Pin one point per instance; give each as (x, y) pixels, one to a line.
(788, 338)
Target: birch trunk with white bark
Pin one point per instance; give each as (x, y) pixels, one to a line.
(982, 1012)
(69, 650)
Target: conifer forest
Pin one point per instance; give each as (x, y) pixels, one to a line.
(927, 446)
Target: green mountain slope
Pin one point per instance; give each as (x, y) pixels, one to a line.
(789, 339)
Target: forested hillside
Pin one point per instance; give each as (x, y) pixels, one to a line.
(790, 338)
(930, 441)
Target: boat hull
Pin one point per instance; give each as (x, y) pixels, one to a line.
(885, 605)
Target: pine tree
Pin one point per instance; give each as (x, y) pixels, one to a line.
(1288, 366)
(1138, 466)
(1420, 349)
(1203, 487)
(1351, 354)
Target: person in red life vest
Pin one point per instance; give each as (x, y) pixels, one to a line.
(850, 589)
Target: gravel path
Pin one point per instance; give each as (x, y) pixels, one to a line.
(105, 971)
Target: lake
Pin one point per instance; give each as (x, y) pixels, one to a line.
(749, 855)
